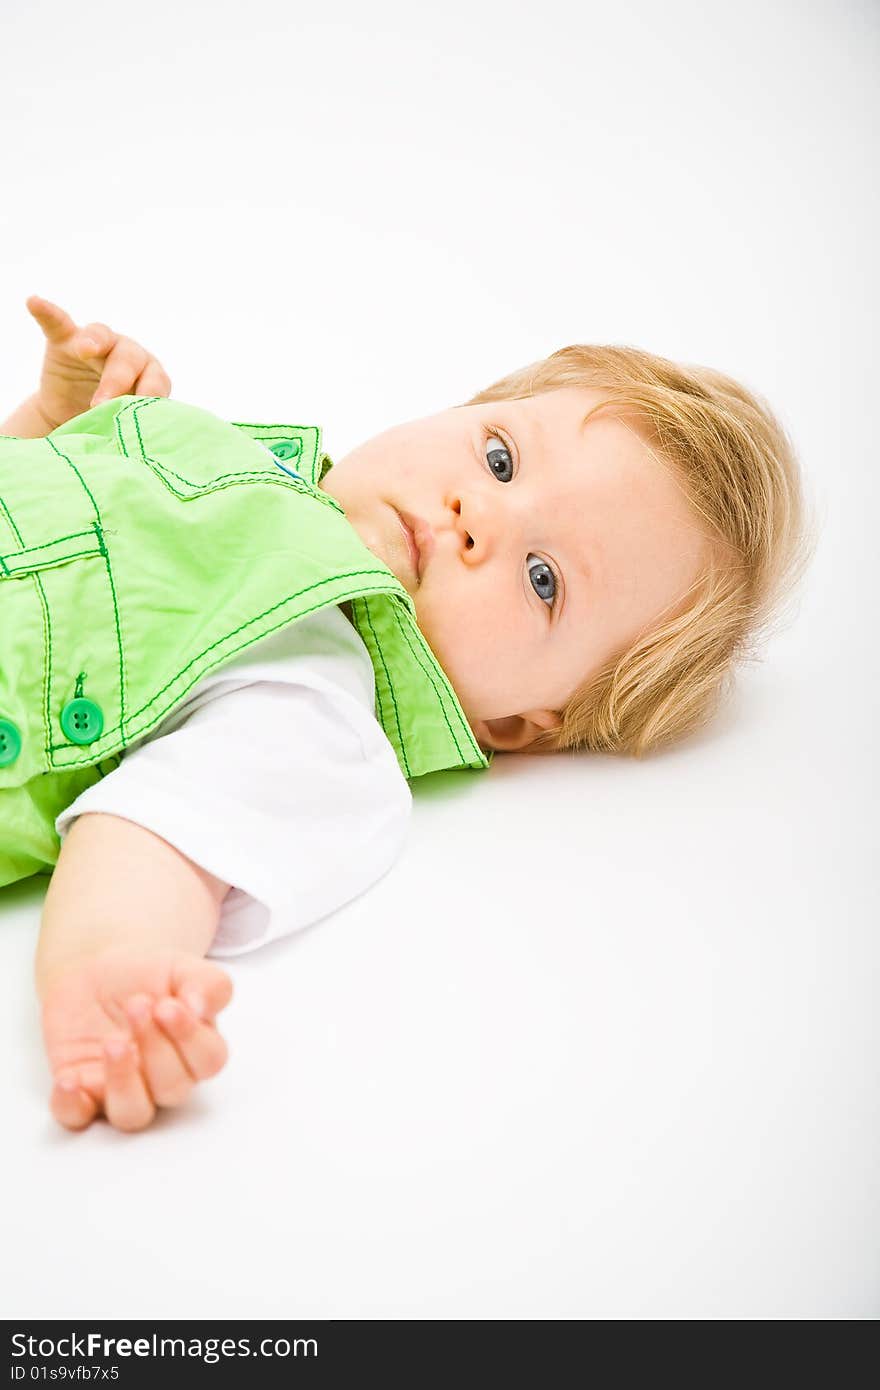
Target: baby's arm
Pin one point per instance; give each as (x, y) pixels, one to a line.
(126, 923)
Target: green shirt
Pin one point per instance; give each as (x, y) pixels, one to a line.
(142, 545)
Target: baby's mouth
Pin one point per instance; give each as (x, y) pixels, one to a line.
(419, 539)
(412, 548)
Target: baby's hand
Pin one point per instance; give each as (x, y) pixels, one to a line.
(79, 360)
(130, 1030)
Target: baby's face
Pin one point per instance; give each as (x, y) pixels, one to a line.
(555, 544)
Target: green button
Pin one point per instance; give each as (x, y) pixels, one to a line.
(10, 742)
(82, 720)
(287, 448)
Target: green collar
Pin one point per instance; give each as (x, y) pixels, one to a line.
(415, 701)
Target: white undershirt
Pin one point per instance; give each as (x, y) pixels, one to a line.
(275, 775)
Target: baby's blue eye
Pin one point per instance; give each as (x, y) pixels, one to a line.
(499, 459)
(543, 580)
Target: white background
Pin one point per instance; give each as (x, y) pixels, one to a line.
(604, 1042)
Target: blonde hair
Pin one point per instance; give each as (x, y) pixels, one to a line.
(738, 469)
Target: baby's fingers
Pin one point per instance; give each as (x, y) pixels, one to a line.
(121, 372)
(95, 340)
(153, 381)
(199, 1044)
(167, 1075)
(71, 1105)
(127, 1104)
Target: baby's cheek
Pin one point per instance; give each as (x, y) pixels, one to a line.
(471, 644)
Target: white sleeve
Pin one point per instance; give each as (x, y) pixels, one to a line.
(275, 789)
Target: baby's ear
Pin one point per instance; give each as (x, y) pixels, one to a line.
(515, 731)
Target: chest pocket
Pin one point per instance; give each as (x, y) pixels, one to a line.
(65, 686)
(193, 452)
(61, 677)
(47, 554)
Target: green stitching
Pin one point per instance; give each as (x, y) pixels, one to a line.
(71, 536)
(438, 689)
(7, 513)
(221, 480)
(105, 552)
(50, 564)
(280, 430)
(354, 574)
(27, 551)
(47, 635)
(390, 687)
(276, 479)
(164, 469)
(199, 489)
(99, 532)
(419, 655)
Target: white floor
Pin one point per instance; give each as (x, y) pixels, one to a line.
(621, 1067)
(604, 1043)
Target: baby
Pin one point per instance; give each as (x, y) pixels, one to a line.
(575, 559)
